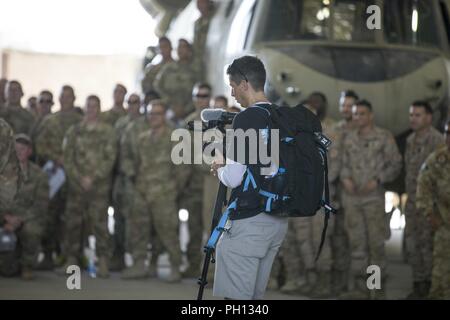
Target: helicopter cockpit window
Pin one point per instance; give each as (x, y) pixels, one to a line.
(410, 22)
(338, 20)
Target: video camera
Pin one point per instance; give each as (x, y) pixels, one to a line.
(214, 118)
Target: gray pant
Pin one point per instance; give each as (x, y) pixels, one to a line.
(245, 254)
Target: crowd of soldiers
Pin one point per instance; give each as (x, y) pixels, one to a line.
(120, 158)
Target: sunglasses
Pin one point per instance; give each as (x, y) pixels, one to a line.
(202, 96)
(133, 102)
(45, 101)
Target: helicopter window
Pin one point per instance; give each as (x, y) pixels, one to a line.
(410, 22)
(340, 20)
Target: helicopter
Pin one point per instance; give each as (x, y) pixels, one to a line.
(327, 46)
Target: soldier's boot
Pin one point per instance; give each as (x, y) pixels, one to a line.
(27, 274)
(71, 260)
(175, 274)
(322, 288)
(415, 294)
(311, 280)
(103, 270)
(424, 289)
(47, 263)
(137, 271)
(117, 262)
(339, 282)
(359, 292)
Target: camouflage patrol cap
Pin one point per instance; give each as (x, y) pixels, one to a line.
(23, 139)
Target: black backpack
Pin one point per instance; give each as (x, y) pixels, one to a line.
(300, 187)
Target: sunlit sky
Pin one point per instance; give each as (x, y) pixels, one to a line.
(76, 26)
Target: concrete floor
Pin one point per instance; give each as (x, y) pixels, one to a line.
(48, 285)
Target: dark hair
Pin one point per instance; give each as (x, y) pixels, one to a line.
(423, 104)
(159, 102)
(186, 42)
(94, 97)
(164, 39)
(221, 97)
(46, 92)
(250, 69)
(202, 85)
(349, 94)
(320, 95)
(67, 87)
(121, 86)
(364, 103)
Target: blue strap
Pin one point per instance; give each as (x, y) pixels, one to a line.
(215, 235)
(270, 197)
(249, 179)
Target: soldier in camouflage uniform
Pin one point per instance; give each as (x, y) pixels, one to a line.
(418, 235)
(191, 197)
(18, 118)
(370, 159)
(49, 148)
(32, 106)
(119, 191)
(433, 189)
(201, 27)
(339, 241)
(151, 70)
(32, 206)
(28, 214)
(117, 111)
(44, 105)
(89, 155)
(154, 203)
(11, 179)
(176, 79)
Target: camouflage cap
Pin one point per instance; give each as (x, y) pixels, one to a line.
(23, 138)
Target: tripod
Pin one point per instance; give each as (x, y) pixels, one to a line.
(216, 227)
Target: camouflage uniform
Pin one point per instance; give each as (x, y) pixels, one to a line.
(150, 73)
(11, 178)
(154, 199)
(31, 205)
(23, 193)
(433, 189)
(120, 191)
(89, 150)
(339, 242)
(201, 27)
(49, 147)
(418, 235)
(18, 118)
(35, 131)
(128, 145)
(175, 82)
(191, 198)
(374, 156)
(112, 115)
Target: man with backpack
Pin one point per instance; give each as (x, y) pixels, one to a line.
(245, 252)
